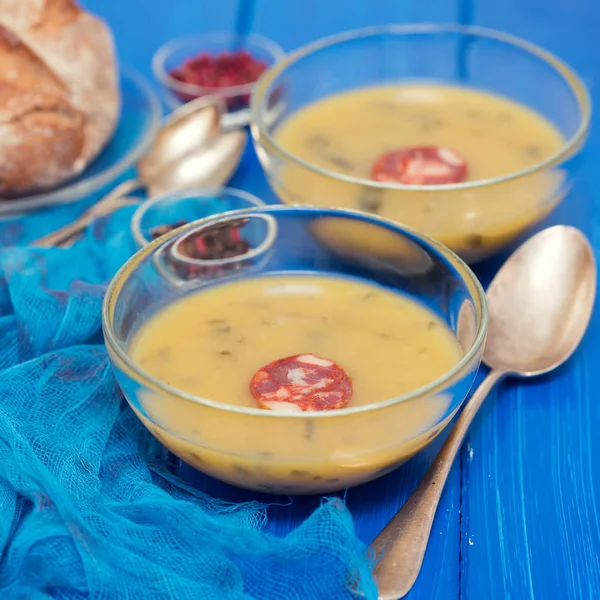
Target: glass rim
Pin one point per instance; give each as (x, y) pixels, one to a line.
(160, 56)
(570, 78)
(226, 217)
(446, 255)
(135, 225)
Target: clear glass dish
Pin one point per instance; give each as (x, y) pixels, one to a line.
(237, 98)
(187, 205)
(298, 453)
(139, 121)
(478, 223)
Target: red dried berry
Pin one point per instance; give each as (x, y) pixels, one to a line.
(227, 69)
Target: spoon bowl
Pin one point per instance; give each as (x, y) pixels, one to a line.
(539, 307)
(540, 303)
(182, 132)
(210, 166)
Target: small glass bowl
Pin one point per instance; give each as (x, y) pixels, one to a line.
(299, 453)
(187, 205)
(471, 217)
(172, 55)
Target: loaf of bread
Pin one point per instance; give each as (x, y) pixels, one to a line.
(59, 94)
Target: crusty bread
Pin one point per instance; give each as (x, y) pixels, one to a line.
(59, 98)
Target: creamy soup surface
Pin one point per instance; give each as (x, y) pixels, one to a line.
(347, 133)
(211, 343)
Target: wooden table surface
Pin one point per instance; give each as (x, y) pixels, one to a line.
(519, 516)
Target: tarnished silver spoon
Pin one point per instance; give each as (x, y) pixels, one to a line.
(189, 151)
(540, 304)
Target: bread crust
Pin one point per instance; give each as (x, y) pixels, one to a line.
(59, 97)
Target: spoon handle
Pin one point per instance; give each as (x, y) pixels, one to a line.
(67, 242)
(404, 539)
(101, 208)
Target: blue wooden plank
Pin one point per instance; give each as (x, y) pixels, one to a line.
(141, 26)
(531, 469)
(293, 24)
(372, 505)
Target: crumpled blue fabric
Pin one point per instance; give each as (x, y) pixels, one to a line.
(84, 510)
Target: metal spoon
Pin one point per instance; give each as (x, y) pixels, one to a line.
(540, 304)
(188, 151)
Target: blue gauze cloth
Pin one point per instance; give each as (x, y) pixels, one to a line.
(83, 514)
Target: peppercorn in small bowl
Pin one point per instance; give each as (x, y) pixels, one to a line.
(217, 64)
(290, 359)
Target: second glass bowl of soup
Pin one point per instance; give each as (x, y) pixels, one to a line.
(220, 367)
(467, 134)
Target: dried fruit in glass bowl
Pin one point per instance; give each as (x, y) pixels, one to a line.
(224, 70)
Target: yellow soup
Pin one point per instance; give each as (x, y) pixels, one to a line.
(210, 344)
(347, 133)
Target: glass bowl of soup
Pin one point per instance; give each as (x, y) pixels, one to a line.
(467, 134)
(292, 359)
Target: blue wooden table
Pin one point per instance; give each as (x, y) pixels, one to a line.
(519, 516)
